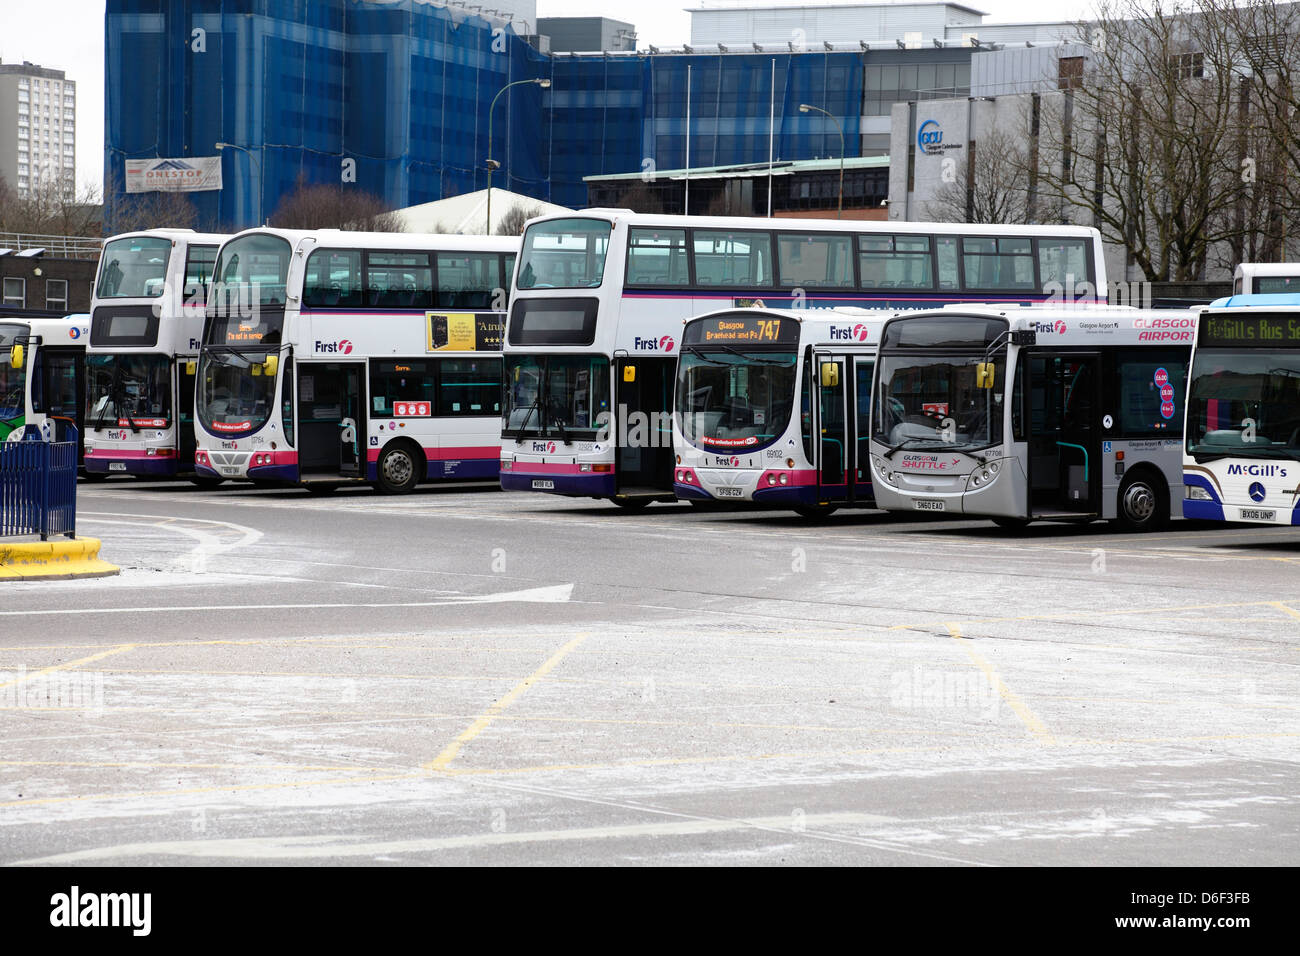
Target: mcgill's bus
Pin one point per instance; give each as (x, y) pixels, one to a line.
(146, 320)
(42, 375)
(1266, 278)
(1242, 457)
(334, 356)
(769, 404)
(604, 289)
(1032, 414)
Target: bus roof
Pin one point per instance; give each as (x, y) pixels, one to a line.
(1267, 269)
(188, 236)
(331, 238)
(1257, 300)
(800, 225)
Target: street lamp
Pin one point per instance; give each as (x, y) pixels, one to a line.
(220, 146)
(492, 163)
(804, 108)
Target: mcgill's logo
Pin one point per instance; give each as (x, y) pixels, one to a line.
(662, 344)
(342, 347)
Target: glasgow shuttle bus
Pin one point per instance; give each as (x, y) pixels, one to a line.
(773, 408)
(332, 357)
(146, 321)
(1035, 414)
(604, 289)
(1242, 455)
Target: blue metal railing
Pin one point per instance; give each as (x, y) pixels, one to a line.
(38, 485)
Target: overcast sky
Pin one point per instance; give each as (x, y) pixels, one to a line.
(68, 35)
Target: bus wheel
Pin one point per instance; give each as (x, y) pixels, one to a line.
(1012, 524)
(632, 504)
(1143, 504)
(815, 512)
(207, 484)
(398, 470)
(94, 475)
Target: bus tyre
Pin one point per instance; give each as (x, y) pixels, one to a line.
(94, 475)
(207, 484)
(1012, 524)
(1143, 504)
(631, 504)
(815, 512)
(399, 471)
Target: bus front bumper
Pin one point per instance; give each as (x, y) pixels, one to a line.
(132, 463)
(552, 481)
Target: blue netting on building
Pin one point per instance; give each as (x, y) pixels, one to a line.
(402, 91)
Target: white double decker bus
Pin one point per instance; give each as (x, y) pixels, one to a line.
(332, 357)
(146, 321)
(1032, 414)
(600, 297)
(1242, 456)
(42, 376)
(773, 407)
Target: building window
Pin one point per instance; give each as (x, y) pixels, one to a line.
(15, 291)
(1069, 73)
(56, 294)
(1189, 66)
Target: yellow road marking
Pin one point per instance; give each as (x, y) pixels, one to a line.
(473, 730)
(1282, 607)
(1018, 706)
(120, 649)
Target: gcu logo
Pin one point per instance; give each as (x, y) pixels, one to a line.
(929, 137)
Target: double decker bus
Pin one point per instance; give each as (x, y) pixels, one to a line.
(146, 321)
(1032, 414)
(600, 297)
(772, 407)
(1266, 278)
(42, 375)
(1242, 455)
(332, 357)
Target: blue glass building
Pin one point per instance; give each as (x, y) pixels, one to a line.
(402, 90)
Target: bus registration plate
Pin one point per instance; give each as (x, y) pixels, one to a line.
(543, 484)
(1255, 514)
(927, 504)
(725, 492)
(117, 466)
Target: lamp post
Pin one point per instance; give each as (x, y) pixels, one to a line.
(220, 146)
(804, 108)
(492, 163)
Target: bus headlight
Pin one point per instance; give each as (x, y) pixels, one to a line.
(1196, 493)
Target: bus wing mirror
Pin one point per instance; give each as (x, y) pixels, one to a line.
(191, 368)
(629, 373)
(16, 357)
(271, 366)
(985, 375)
(830, 375)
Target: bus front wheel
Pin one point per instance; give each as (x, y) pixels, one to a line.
(398, 469)
(815, 512)
(632, 504)
(1143, 503)
(1012, 524)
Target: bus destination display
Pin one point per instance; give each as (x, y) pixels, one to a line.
(742, 330)
(1249, 330)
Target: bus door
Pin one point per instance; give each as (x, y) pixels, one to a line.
(835, 444)
(59, 390)
(644, 389)
(860, 427)
(185, 436)
(331, 419)
(1064, 438)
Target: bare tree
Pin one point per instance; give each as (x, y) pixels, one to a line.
(992, 187)
(321, 206)
(512, 223)
(639, 197)
(51, 206)
(1141, 142)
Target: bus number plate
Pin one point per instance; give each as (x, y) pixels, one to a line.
(1254, 514)
(117, 466)
(730, 493)
(925, 504)
(543, 484)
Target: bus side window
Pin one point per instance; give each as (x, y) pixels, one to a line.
(805, 411)
(1018, 400)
